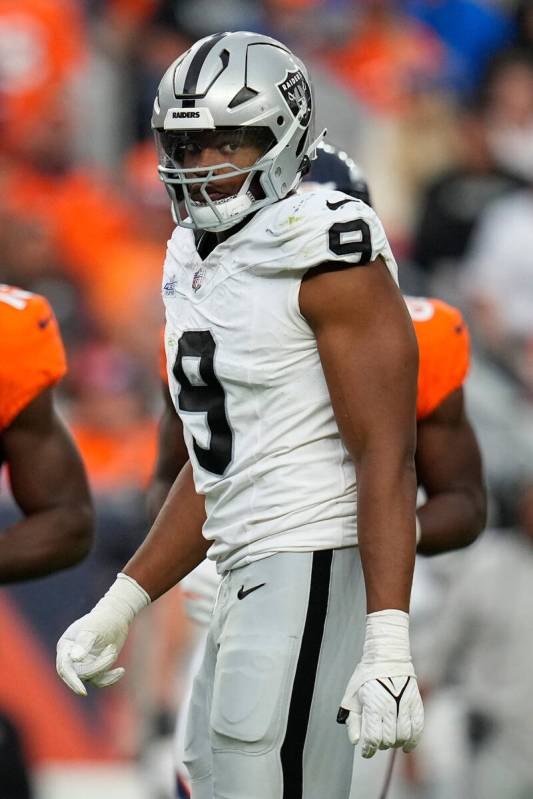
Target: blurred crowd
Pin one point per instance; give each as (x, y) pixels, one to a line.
(433, 98)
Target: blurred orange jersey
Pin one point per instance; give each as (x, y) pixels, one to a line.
(444, 348)
(32, 357)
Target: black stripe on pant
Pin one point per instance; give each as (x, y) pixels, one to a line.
(292, 749)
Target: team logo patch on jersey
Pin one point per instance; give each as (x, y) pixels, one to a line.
(198, 279)
(297, 94)
(169, 287)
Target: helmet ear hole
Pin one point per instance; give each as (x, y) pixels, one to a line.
(305, 166)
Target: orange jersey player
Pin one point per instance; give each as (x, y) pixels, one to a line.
(448, 460)
(444, 351)
(46, 474)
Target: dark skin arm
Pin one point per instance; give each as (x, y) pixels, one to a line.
(175, 544)
(49, 485)
(370, 360)
(448, 465)
(172, 455)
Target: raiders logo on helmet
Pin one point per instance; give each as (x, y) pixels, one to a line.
(297, 94)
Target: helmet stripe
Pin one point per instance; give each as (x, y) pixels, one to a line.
(197, 62)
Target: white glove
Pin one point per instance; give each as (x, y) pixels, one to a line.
(382, 706)
(200, 592)
(91, 644)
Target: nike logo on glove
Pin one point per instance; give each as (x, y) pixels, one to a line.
(397, 698)
(241, 593)
(339, 204)
(342, 715)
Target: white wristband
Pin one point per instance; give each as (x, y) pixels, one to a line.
(387, 637)
(386, 652)
(126, 597)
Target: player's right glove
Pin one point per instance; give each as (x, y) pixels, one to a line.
(91, 644)
(382, 706)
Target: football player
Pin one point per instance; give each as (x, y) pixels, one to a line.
(447, 454)
(332, 168)
(46, 474)
(294, 371)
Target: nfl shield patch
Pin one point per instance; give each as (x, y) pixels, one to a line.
(198, 278)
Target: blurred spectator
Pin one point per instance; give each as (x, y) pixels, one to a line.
(453, 203)
(203, 17)
(483, 643)
(146, 192)
(386, 56)
(524, 24)
(96, 228)
(402, 155)
(472, 31)
(155, 38)
(31, 260)
(509, 104)
(498, 283)
(42, 44)
(498, 279)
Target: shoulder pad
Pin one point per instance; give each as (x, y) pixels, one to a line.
(307, 230)
(444, 350)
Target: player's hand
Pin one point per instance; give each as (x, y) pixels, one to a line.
(200, 591)
(382, 707)
(88, 648)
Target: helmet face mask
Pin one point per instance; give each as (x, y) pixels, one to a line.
(249, 92)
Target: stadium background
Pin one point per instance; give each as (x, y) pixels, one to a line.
(434, 99)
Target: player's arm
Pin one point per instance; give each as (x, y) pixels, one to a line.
(449, 468)
(175, 544)
(50, 487)
(370, 358)
(369, 355)
(172, 455)
(173, 548)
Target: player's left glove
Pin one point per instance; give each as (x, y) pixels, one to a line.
(91, 644)
(382, 706)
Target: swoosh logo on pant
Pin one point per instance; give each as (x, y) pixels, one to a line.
(241, 593)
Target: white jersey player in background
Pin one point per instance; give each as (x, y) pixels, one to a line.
(293, 366)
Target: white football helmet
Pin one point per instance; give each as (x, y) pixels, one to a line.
(246, 85)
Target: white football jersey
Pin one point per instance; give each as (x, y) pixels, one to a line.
(246, 378)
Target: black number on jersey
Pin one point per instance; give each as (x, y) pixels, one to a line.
(207, 397)
(362, 244)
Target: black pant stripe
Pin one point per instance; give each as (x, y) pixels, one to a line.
(292, 749)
